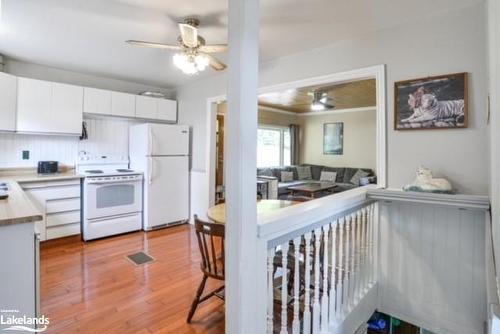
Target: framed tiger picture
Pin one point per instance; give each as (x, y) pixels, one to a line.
(438, 102)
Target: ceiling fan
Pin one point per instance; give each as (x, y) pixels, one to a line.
(320, 101)
(194, 54)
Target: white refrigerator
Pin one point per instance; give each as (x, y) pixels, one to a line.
(161, 151)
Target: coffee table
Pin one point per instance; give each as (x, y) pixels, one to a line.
(312, 188)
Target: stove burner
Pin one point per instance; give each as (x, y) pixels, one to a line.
(94, 171)
(122, 170)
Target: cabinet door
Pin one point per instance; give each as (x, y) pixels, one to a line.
(122, 104)
(67, 109)
(146, 107)
(33, 105)
(8, 101)
(167, 110)
(96, 101)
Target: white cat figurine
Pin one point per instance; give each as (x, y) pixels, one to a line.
(426, 183)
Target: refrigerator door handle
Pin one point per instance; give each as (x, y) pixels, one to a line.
(150, 162)
(152, 166)
(150, 141)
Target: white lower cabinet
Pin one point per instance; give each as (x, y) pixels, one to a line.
(60, 203)
(19, 272)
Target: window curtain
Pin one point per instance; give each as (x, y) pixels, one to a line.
(294, 144)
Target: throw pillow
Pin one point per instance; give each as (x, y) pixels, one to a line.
(357, 176)
(328, 176)
(304, 173)
(286, 176)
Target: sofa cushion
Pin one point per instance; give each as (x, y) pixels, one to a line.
(357, 176)
(340, 172)
(286, 176)
(304, 173)
(265, 172)
(328, 176)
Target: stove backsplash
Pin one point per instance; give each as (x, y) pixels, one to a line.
(105, 136)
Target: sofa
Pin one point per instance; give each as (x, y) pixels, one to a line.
(343, 177)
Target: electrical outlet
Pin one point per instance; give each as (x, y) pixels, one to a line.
(26, 155)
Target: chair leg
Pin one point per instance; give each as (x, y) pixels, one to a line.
(196, 300)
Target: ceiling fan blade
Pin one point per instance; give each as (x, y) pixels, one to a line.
(189, 35)
(153, 45)
(213, 48)
(215, 63)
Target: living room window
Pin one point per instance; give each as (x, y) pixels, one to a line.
(273, 146)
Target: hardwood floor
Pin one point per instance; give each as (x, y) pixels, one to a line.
(92, 288)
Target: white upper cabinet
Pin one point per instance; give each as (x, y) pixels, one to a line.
(33, 105)
(96, 101)
(122, 104)
(8, 102)
(49, 107)
(156, 108)
(146, 107)
(67, 109)
(167, 110)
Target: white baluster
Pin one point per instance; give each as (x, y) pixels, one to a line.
(296, 286)
(369, 245)
(284, 287)
(316, 305)
(307, 283)
(358, 255)
(352, 286)
(363, 251)
(333, 276)
(270, 289)
(324, 297)
(372, 244)
(340, 269)
(347, 262)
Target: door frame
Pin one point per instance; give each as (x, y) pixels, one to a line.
(376, 72)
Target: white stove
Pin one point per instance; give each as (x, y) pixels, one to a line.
(112, 197)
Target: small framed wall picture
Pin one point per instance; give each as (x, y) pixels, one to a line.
(333, 138)
(438, 102)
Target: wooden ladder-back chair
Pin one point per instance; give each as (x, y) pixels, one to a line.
(211, 243)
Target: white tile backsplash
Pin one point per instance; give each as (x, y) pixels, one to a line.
(107, 136)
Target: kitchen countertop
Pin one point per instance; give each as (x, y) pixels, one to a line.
(34, 177)
(18, 208)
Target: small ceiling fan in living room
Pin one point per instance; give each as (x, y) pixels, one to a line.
(193, 55)
(320, 101)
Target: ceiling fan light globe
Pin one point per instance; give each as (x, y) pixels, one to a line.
(201, 62)
(317, 106)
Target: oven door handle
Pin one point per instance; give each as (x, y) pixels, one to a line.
(113, 181)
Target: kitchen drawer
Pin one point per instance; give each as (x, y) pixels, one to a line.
(63, 231)
(46, 184)
(52, 193)
(64, 218)
(62, 205)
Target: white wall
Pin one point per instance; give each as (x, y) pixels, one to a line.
(106, 136)
(359, 140)
(494, 87)
(35, 71)
(439, 44)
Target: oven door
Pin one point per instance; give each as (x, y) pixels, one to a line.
(105, 198)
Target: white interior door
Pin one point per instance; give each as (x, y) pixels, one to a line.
(167, 195)
(169, 139)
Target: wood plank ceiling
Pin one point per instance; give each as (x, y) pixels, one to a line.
(349, 95)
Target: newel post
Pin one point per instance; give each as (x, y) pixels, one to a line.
(242, 265)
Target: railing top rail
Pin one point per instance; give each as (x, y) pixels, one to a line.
(471, 202)
(274, 225)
